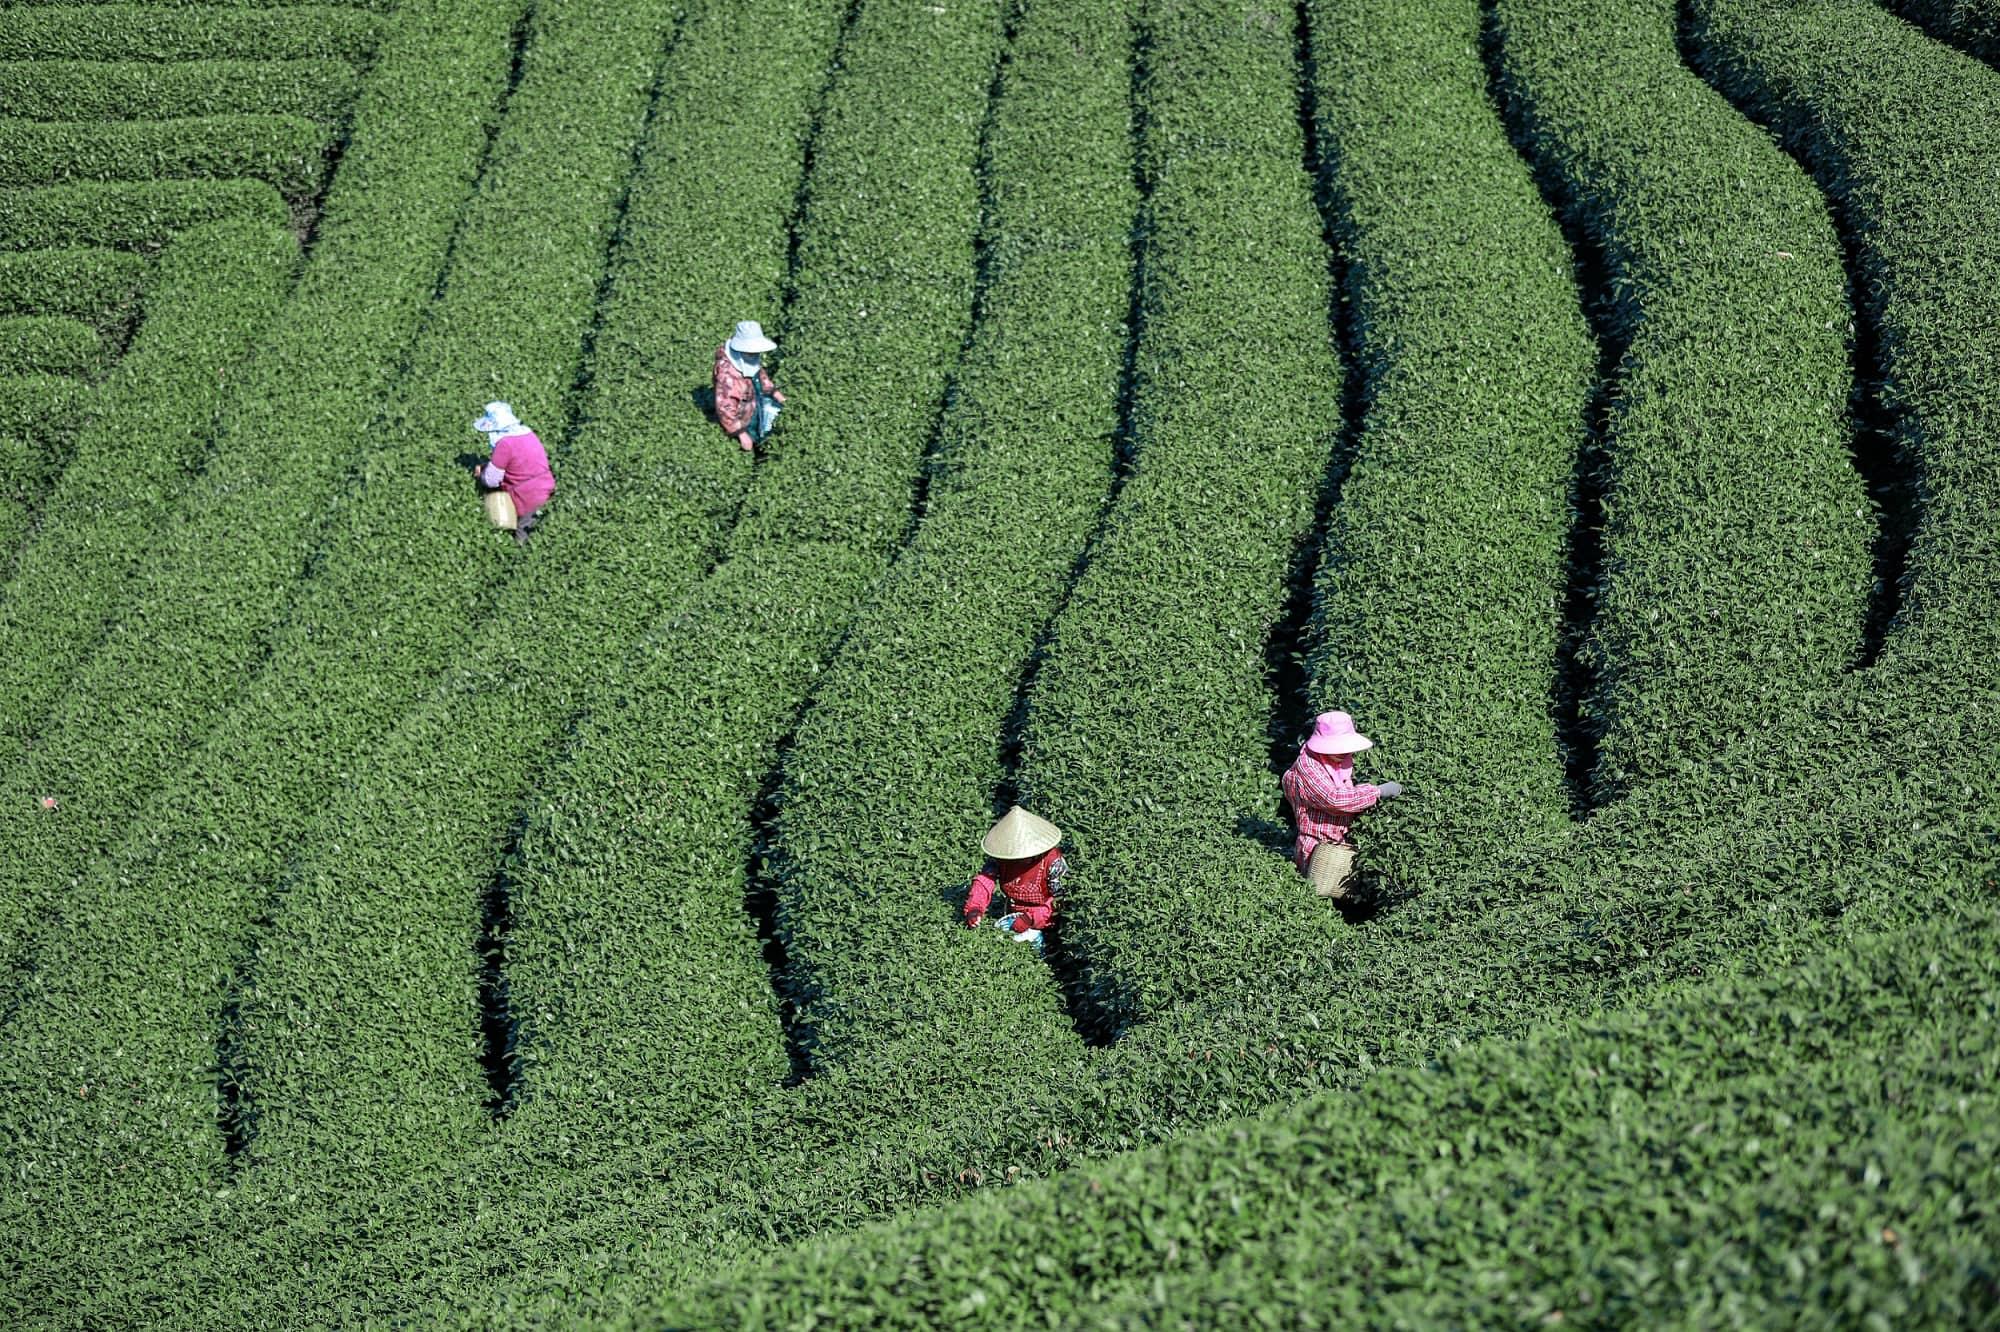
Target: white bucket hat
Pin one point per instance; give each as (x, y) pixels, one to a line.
(499, 418)
(749, 339)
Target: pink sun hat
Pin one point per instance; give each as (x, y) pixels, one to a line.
(1334, 733)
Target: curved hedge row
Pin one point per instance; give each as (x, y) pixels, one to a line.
(1441, 637)
(645, 1006)
(221, 573)
(1736, 547)
(322, 90)
(92, 285)
(48, 344)
(362, 639)
(285, 152)
(883, 803)
(40, 406)
(1893, 126)
(1972, 24)
(159, 33)
(1535, 1165)
(379, 908)
(131, 215)
(1147, 729)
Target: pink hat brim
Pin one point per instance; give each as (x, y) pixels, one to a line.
(1351, 743)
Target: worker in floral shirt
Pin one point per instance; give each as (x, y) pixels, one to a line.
(1324, 796)
(746, 401)
(1025, 865)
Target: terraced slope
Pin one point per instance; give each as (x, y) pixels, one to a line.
(436, 932)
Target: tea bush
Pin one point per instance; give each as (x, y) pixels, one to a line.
(48, 344)
(115, 90)
(168, 33)
(131, 215)
(1735, 531)
(285, 152)
(93, 285)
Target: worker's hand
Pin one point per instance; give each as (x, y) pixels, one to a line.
(973, 919)
(777, 395)
(1389, 790)
(743, 439)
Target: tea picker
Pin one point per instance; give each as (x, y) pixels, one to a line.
(515, 481)
(1025, 865)
(746, 401)
(1324, 796)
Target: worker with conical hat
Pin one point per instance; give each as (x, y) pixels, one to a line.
(746, 401)
(1024, 864)
(1324, 796)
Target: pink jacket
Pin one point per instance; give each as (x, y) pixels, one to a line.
(1324, 799)
(520, 466)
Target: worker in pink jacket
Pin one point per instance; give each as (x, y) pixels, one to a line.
(519, 466)
(1324, 796)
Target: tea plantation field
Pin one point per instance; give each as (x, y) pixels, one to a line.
(1598, 399)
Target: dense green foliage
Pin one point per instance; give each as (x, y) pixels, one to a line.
(1441, 635)
(283, 151)
(877, 968)
(1973, 24)
(162, 33)
(397, 926)
(319, 89)
(95, 285)
(136, 215)
(52, 344)
(1799, 1148)
(1735, 548)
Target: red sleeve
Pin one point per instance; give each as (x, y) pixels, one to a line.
(980, 895)
(764, 380)
(1033, 917)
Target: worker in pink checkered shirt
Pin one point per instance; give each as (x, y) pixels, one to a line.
(1324, 797)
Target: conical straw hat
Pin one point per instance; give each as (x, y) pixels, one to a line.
(1019, 835)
